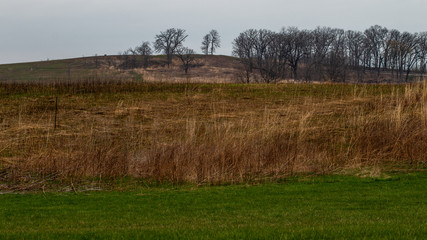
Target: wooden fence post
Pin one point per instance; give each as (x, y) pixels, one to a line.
(56, 112)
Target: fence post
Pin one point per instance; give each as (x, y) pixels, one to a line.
(56, 112)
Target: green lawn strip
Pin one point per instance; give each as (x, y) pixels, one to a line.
(321, 207)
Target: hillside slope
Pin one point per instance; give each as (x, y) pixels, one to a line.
(206, 69)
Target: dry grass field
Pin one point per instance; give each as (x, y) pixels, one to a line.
(207, 133)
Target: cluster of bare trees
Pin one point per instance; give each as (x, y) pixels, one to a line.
(211, 42)
(170, 43)
(330, 54)
(137, 57)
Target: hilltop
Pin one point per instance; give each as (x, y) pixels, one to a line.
(206, 69)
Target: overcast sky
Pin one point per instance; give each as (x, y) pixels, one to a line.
(34, 30)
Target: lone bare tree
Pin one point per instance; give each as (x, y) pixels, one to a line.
(145, 51)
(206, 43)
(168, 41)
(186, 55)
(211, 42)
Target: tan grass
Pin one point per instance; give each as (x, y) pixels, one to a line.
(211, 138)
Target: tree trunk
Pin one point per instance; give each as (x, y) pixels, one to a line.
(407, 74)
(294, 71)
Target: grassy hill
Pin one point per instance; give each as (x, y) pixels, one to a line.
(110, 68)
(44, 70)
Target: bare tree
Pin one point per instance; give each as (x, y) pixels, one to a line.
(267, 54)
(145, 51)
(422, 45)
(243, 48)
(337, 58)
(393, 45)
(376, 43)
(211, 42)
(206, 43)
(322, 39)
(355, 51)
(215, 40)
(129, 59)
(410, 51)
(168, 41)
(298, 45)
(187, 58)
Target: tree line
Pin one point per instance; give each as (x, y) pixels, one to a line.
(330, 54)
(322, 54)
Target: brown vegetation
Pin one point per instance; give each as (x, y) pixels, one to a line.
(207, 134)
(206, 69)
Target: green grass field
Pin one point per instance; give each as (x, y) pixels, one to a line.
(328, 207)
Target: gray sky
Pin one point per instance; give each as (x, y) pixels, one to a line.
(34, 30)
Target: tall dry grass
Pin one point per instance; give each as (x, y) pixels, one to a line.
(218, 144)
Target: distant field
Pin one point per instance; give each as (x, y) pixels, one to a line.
(329, 207)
